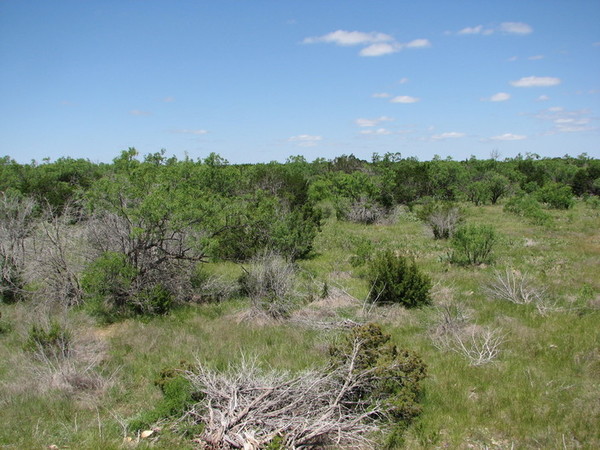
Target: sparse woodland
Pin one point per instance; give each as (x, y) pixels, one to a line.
(393, 303)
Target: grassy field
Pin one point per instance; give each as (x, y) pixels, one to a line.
(542, 389)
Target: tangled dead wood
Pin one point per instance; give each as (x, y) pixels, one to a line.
(247, 407)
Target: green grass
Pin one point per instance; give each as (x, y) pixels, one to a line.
(541, 392)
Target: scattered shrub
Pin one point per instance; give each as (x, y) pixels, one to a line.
(363, 211)
(515, 287)
(478, 345)
(269, 282)
(209, 288)
(527, 206)
(442, 217)
(363, 252)
(394, 374)
(115, 290)
(473, 244)
(108, 284)
(393, 279)
(556, 196)
(53, 342)
(178, 395)
(17, 222)
(152, 300)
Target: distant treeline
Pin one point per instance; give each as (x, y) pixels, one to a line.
(386, 180)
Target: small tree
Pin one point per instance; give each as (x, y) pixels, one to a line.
(556, 196)
(473, 244)
(393, 279)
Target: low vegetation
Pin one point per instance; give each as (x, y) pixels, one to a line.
(164, 303)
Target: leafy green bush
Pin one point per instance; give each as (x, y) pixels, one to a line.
(473, 244)
(394, 374)
(152, 300)
(556, 196)
(115, 289)
(108, 285)
(393, 279)
(48, 342)
(527, 206)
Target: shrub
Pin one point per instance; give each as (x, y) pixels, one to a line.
(393, 279)
(210, 288)
(108, 284)
(178, 395)
(394, 374)
(115, 289)
(473, 244)
(153, 300)
(368, 382)
(363, 211)
(363, 251)
(442, 217)
(527, 206)
(269, 282)
(53, 342)
(17, 222)
(556, 195)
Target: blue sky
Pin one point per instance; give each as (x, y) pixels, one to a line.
(257, 81)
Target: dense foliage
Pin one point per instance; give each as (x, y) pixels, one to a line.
(395, 279)
(210, 261)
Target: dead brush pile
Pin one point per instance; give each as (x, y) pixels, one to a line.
(368, 385)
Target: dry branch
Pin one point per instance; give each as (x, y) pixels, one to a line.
(247, 407)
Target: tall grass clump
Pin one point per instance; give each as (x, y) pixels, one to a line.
(269, 282)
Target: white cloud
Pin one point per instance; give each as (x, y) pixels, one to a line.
(512, 59)
(418, 43)
(380, 49)
(137, 112)
(536, 82)
(535, 57)
(448, 135)
(403, 80)
(197, 132)
(509, 137)
(169, 99)
(372, 122)
(404, 99)
(542, 98)
(305, 140)
(472, 30)
(515, 28)
(596, 44)
(341, 37)
(376, 44)
(505, 27)
(377, 132)
(564, 121)
(499, 97)
(381, 95)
